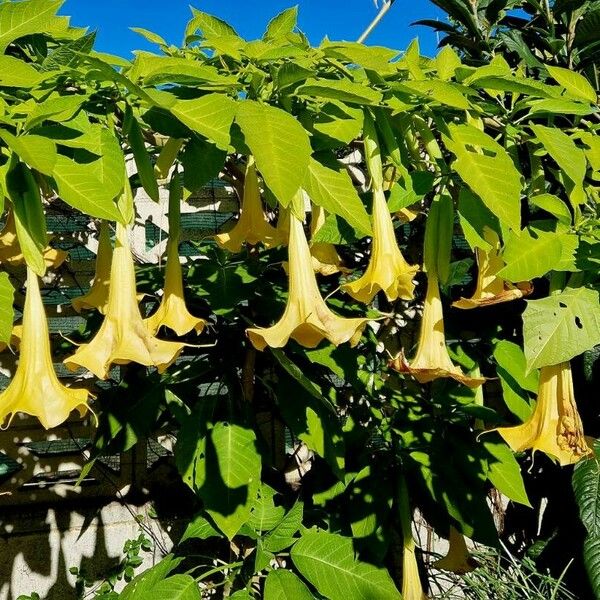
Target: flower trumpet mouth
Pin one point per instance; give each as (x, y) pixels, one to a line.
(306, 319)
(123, 336)
(458, 559)
(11, 253)
(555, 426)
(172, 311)
(253, 226)
(432, 360)
(387, 269)
(491, 289)
(97, 297)
(35, 388)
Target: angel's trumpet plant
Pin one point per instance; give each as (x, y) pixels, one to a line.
(123, 336)
(491, 289)
(253, 226)
(172, 311)
(555, 426)
(387, 270)
(97, 296)
(458, 559)
(10, 249)
(307, 319)
(432, 360)
(325, 258)
(35, 388)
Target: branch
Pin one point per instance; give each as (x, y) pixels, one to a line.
(387, 4)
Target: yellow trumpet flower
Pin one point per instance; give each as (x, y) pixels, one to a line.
(491, 289)
(325, 258)
(411, 582)
(307, 319)
(388, 269)
(10, 249)
(97, 296)
(123, 336)
(253, 226)
(432, 360)
(35, 388)
(172, 311)
(457, 560)
(555, 425)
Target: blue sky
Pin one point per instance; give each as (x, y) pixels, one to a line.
(339, 19)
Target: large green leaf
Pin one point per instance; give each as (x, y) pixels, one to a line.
(557, 328)
(7, 293)
(177, 587)
(340, 89)
(491, 175)
(209, 26)
(143, 163)
(143, 585)
(534, 253)
(282, 24)
(16, 73)
(211, 116)
(444, 92)
(334, 191)
(504, 472)
(280, 146)
(327, 561)
(37, 151)
(576, 85)
(18, 19)
(285, 585)
(79, 186)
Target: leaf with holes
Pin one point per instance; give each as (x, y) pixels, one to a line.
(557, 328)
(327, 561)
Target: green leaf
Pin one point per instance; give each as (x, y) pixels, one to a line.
(505, 473)
(150, 36)
(202, 161)
(17, 73)
(282, 536)
(7, 293)
(474, 217)
(264, 514)
(327, 561)
(554, 205)
(577, 85)
(209, 26)
(338, 122)
(563, 150)
(334, 191)
(280, 146)
(37, 151)
(144, 165)
(285, 585)
(591, 560)
(79, 186)
(557, 328)
(282, 24)
(211, 116)
(143, 585)
(18, 19)
(340, 89)
(199, 528)
(488, 170)
(375, 58)
(444, 92)
(446, 63)
(534, 253)
(178, 587)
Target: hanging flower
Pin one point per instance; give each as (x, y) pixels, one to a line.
(387, 270)
(432, 360)
(457, 560)
(555, 425)
(253, 226)
(491, 289)
(173, 312)
(97, 297)
(35, 388)
(123, 336)
(325, 258)
(10, 249)
(307, 319)
(411, 582)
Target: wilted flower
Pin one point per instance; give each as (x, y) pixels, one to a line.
(172, 311)
(123, 336)
(35, 388)
(97, 297)
(555, 426)
(325, 258)
(253, 226)
(491, 289)
(432, 359)
(10, 249)
(387, 270)
(457, 560)
(307, 319)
